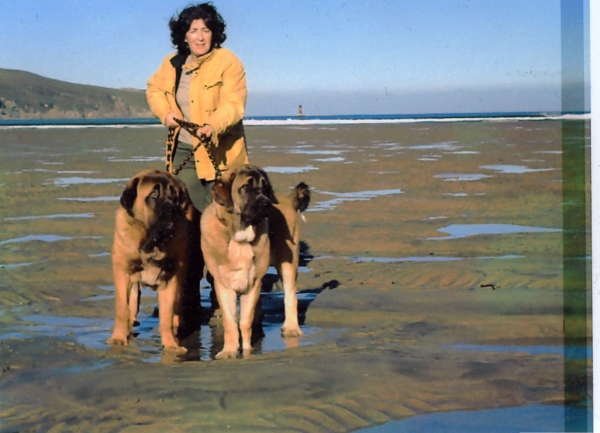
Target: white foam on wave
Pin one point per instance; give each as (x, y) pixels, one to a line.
(303, 122)
(310, 122)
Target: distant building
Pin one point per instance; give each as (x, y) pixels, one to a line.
(300, 111)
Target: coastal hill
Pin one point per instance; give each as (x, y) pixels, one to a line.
(24, 95)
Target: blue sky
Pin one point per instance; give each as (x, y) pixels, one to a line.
(333, 57)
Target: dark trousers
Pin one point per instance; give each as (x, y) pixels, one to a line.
(200, 192)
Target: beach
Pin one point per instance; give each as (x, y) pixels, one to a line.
(432, 281)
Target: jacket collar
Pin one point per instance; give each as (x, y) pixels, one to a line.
(178, 60)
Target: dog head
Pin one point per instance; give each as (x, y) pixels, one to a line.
(158, 200)
(246, 192)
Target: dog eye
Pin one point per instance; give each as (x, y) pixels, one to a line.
(155, 192)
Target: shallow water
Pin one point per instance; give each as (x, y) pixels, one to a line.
(84, 199)
(456, 177)
(534, 418)
(136, 159)
(289, 170)
(15, 265)
(65, 181)
(449, 145)
(62, 215)
(45, 238)
(430, 258)
(202, 344)
(573, 353)
(515, 169)
(457, 231)
(348, 196)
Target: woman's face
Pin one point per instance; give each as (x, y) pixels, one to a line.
(199, 38)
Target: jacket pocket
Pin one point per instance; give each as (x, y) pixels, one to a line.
(212, 90)
(213, 83)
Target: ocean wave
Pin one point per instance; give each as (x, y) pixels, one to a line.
(308, 121)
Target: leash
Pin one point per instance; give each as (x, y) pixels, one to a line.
(192, 128)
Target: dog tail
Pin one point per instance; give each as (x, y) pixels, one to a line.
(300, 197)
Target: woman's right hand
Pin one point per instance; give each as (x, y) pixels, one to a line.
(170, 120)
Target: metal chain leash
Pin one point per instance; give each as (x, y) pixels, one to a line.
(192, 128)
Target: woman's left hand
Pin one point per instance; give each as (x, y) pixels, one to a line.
(206, 131)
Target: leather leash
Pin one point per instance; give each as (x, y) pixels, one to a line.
(192, 128)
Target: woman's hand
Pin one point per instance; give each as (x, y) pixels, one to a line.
(170, 120)
(206, 131)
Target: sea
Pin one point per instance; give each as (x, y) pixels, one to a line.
(304, 120)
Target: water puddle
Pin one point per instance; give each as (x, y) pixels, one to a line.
(316, 152)
(62, 215)
(104, 254)
(458, 194)
(333, 159)
(77, 171)
(579, 352)
(105, 150)
(430, 258)
(46, 238)
(85, 199)
(202, 345)
(446, 145)
(349, 196)
(136, 159)
(289, 170)
(457, 231)
(514, 169)
(457, 177)
(15, 265)
(387, 146)
(65, 181)
(533, 418)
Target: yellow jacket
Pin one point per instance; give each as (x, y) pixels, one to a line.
(217, 97)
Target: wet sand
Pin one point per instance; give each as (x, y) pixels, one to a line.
(428, 281)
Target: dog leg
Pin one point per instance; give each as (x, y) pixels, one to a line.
(122, 292)
(228, 302)
(247, 309)
(166, 301)
(134, 304)
(290, 327)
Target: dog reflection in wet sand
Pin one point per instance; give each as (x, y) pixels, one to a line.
(245, 229)
(150, 249)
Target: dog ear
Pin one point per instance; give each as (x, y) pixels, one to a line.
(129, 195)
(266, 187)
(221, 192)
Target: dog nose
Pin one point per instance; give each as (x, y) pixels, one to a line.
(264, 202)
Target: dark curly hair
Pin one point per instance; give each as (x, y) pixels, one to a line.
(181, 23)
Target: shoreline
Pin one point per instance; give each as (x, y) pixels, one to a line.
(288, 121)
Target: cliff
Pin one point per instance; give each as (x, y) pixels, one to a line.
(24, 95)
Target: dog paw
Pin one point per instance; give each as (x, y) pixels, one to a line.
(175, 349)
(117, 341)
(288, 332)
(226, 354)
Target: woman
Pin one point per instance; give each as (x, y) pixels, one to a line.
(205, 84)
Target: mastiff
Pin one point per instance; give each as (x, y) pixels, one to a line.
(244, 230)
(150, 249)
